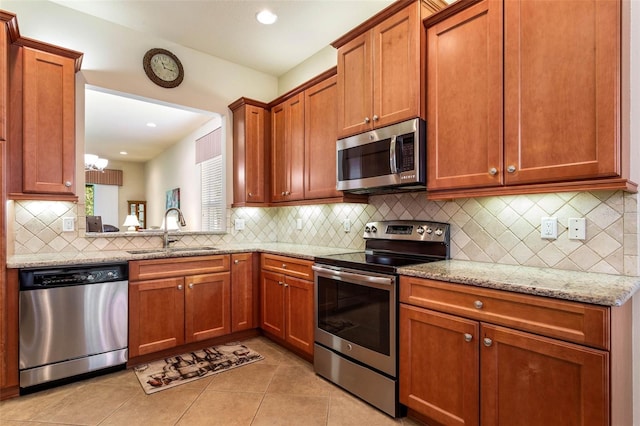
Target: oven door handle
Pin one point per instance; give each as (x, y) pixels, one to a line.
(332, 273)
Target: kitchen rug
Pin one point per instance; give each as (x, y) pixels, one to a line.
(185, 368)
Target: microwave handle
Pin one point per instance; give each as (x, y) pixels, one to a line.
(392, 156)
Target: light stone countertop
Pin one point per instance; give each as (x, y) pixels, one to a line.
(307, 252)
(587, 287)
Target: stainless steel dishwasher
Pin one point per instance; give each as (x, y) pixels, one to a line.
(73, 321)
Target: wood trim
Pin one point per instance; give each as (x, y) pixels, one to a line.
(106, 177)
(447, 12)
(372, 22)
(612, 184)
(53, 49)
(247, 101)
(304, 86)
(43, 197)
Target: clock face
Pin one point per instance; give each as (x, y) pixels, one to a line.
(163, 68)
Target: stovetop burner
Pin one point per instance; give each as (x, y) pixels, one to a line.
(393, 244)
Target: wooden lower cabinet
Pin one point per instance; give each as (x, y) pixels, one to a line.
(287, 302)
(243, 292)
(172, 308)
(458, 369)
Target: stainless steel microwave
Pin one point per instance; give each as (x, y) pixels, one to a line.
(388, 159)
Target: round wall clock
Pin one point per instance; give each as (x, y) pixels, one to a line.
(163, 68)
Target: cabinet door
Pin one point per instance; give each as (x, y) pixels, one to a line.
(279, 172)
(254, 154)
(439, 365)
(207, 306)
(242, 292)
(532, 380)
(156, 315)
(287, 147)
(49, 148)
(299, 313)
(562, 90)
(355, 86)
(464, 99)
(321, 133)
(272, 303)
(396, 67)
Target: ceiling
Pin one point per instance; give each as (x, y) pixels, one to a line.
(223, 28)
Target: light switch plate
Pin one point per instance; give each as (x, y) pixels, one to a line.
(68, 224)
(238, 224)
(299, 224)
(346, 225)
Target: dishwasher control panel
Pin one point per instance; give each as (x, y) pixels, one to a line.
(33, 278)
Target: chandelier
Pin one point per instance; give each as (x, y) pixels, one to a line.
(94, 163)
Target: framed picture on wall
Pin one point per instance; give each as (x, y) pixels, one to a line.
(173, 198)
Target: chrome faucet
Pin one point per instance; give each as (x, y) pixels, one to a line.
(165, 237)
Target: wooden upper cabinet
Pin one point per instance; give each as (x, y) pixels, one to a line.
(562, 90)
(287, 139)
(321, 131)
(524, 97)
(379, 74)
(5, 18)
(251, 123)
(464, 100)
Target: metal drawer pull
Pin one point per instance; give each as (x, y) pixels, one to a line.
(280, 283)
(468, 337)
(191, 285)
(284, 266)
(511, 169)
(493, 171)
(487, 342)
(180, 287)
(478, 304)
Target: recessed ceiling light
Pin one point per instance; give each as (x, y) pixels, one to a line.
(150, 124)
(266, 17)
(123, 152)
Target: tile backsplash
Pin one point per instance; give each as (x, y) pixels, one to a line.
(491, 229)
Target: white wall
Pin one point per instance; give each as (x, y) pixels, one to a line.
(311, 67)
(105, 203)
(176, 168)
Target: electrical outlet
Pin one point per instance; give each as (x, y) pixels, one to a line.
(549, 228)
(68, 224)
(238, 224)
(346, 224)
(299, 224)
(577, 228)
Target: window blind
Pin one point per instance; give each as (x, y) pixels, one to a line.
(213, 205)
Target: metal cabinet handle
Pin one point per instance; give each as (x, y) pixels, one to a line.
(366, 119)
(375, 118)
(284, 266)
(179, 286)
(478, 304)
(511, 168)
(487, 342)
(190, 285)
(468, 337)
(286, 285)
(280, 283)
(493, 171)
(67, 184)
(250, 194)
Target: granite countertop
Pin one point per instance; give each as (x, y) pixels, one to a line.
(587, 287)
(307, 252)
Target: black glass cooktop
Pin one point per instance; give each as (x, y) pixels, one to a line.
(374, 261)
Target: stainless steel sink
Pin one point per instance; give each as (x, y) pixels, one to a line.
(172, 250)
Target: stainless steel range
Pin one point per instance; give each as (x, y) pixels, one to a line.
(356, 307)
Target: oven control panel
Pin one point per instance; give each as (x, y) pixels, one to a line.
(407, 230)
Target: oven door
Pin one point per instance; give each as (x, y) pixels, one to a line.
(356, 315)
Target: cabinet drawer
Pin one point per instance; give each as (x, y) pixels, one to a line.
(288, 265)
(177, 266)
(570, 321)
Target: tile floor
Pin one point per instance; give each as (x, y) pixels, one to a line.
(282, 389)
